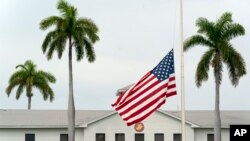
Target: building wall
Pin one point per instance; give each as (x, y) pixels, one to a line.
(40, 134)
(157, 123)
(201, 134)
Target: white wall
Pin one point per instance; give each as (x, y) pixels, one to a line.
(40, 134)
(201, 134)
(156, 123)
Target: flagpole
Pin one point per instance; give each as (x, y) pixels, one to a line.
(183, 127)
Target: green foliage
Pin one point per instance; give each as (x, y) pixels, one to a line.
(81, 34)
(28, 77)
(81, 31)
(203, 67)
(216, 36)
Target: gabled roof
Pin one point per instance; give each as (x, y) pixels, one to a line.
(114, 112)
(122, 90)
(58, 118)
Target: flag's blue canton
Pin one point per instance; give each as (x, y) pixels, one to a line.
(165, 67)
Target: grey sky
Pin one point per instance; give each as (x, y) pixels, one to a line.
(135, 35)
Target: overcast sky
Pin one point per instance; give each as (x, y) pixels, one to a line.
(134, 36)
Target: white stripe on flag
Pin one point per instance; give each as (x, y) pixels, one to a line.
(146, 102)
(141, 89)
(146, 111)
(141, 97)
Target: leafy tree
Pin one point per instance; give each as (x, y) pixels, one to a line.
(216, 36)
(80, 34)
(28, 77)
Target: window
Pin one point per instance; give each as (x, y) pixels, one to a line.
(29, 137)
(159, 137)
(177, 137)
(119, 137)
(139, 137)
(63, 137)
(210, 137)
(100, 137)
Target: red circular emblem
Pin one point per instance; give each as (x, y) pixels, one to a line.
(139, 127)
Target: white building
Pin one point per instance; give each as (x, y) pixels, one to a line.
(51, 125)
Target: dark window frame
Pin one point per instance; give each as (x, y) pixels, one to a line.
(162, 134)
(140, 134)
(209, 136)
(116, 134)
(177, 134)
(64, 135)
(100, 134)
(30, 135)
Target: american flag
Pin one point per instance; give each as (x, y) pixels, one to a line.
(149, 93)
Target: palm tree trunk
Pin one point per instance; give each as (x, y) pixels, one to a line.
(29, 102)
(71, 106)
(217, 120)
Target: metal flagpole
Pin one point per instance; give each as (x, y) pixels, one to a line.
(183, 127)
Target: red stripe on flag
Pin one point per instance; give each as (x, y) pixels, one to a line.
(142, 100)
(141, 80)
(130, 91)
(145, 107)
(172, 78)
(137, 87)
(137, 95)
(171, 86)
(146, 115)
(171, 94)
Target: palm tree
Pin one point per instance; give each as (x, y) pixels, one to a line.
(28, 77)
(217, 36)
(81, 34)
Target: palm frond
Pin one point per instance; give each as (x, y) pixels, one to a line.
(78, 44)
(235, 64)
(13, 84)
(61, 43)
(89, 27)
(87, 24)
(46, 75)
(67, 10)
(231, 31)
(203, 67)
(90, 53)
(49, 37)
(30, 66)
(79, 52)
(50, 21)
(63, 6)
(51, 50)
(206, 27)
(224, 20)
(73, 13)
(45, 90)
(196, 40)
(19, 91)
(21, 66)
(51, 94)
(78, 36)
(19, 75)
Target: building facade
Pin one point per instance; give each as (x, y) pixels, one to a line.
(51, 125)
